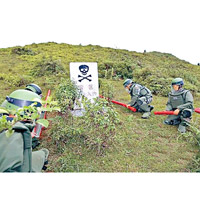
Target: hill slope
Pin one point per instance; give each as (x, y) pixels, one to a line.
(153, 69)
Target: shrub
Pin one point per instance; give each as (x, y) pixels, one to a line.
(96, 129)
(48, 67)
(23, 51)
(16, 81)
(65, 130)
(116, 69)
(66, 94)
(193, 136)
(99, 122)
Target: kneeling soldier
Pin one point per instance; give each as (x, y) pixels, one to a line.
(181, 102)
(141, 97)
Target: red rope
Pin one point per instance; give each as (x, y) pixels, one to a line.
(119, 103)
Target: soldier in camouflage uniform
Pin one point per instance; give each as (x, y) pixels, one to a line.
(181, 102)
(141, 97)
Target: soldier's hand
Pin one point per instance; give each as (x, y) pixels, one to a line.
(176, 112)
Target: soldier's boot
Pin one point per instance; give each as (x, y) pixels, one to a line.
(46, 151)
(181, 128)
(146, 109)
(39, 160)
(146, 115)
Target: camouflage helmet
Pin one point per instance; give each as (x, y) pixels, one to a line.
(127, 82)
(178, 81)
(34, 88)
(20, 98)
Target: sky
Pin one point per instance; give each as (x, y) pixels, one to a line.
(170, 26)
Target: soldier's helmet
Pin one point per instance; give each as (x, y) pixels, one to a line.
(34, 88)
(20, 98)
(177, 81)
(127, 82)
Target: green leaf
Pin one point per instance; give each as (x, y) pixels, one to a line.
(56, 109)
(43, 122)
(2, 110)
(47, 109)
(34, 116)
(53, 103)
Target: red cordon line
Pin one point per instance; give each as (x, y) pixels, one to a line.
(165, 112)
(197, 110)
(119, 103)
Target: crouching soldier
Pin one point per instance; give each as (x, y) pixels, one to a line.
(16, 151)
(24, 97)
(181, 102)
(141, 97)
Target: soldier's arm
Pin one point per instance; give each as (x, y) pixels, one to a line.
(133, 100)
(134, 95)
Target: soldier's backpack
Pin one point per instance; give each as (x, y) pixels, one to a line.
(16, 151)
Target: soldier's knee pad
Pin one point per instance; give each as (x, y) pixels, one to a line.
(139, 102)
(186, 113)
(173, 122)
(176, 121)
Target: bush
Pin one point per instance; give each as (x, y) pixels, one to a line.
(48, 67)
(96, 129)
(67, 93)
(193, 136)
(114, 69)
(23, 51)
(65, 130)
(16, 81)
(99, 124)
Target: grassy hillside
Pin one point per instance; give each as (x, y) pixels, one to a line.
(140, 145)
(42, 62)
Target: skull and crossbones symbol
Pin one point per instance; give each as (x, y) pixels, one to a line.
(84, 70)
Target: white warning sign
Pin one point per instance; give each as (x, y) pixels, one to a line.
(85, 76)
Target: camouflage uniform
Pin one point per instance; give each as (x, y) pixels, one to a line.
(182, 100)
(16, 152)
(141, 97)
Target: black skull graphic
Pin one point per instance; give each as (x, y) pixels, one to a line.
(84, 69)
